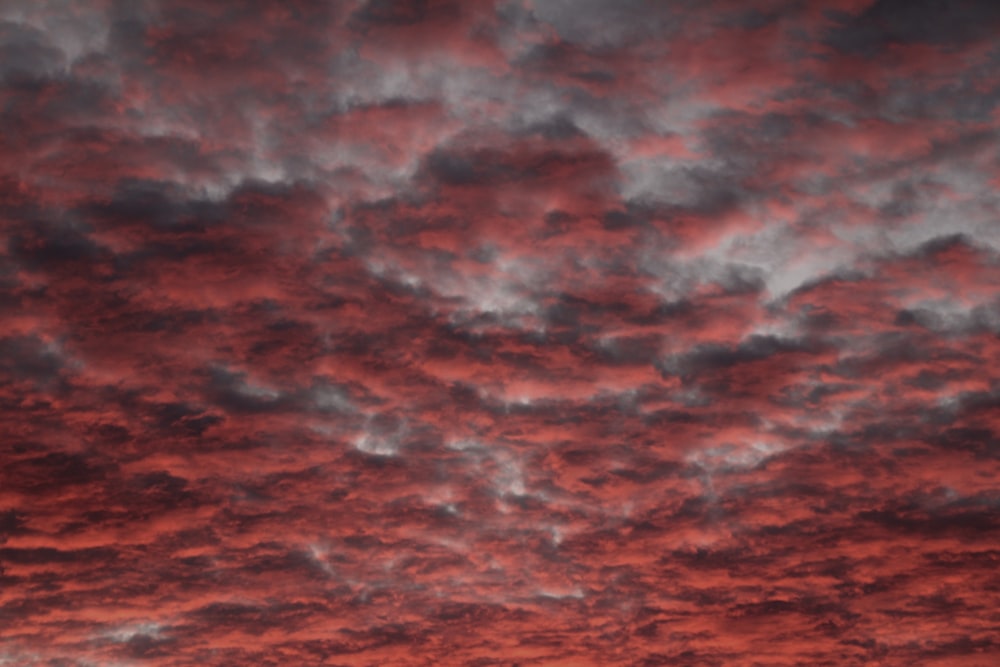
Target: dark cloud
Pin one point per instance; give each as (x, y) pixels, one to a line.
(26, 55)
(605, 24)
(409, 12)
(936, 22)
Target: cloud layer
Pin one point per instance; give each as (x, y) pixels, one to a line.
(528, 332)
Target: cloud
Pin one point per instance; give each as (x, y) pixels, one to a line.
(607, 333)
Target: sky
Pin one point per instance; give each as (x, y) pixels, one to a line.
(514, 332)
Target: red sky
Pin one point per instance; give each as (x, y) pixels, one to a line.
(528, 332)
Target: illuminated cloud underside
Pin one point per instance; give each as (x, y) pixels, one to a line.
(534, 332)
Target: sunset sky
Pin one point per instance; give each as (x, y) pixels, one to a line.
(528, 332)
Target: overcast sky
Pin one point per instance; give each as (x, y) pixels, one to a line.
(528, 332)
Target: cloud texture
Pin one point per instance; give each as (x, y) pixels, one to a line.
(528, 332)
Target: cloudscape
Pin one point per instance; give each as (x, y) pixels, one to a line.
(514, 332)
